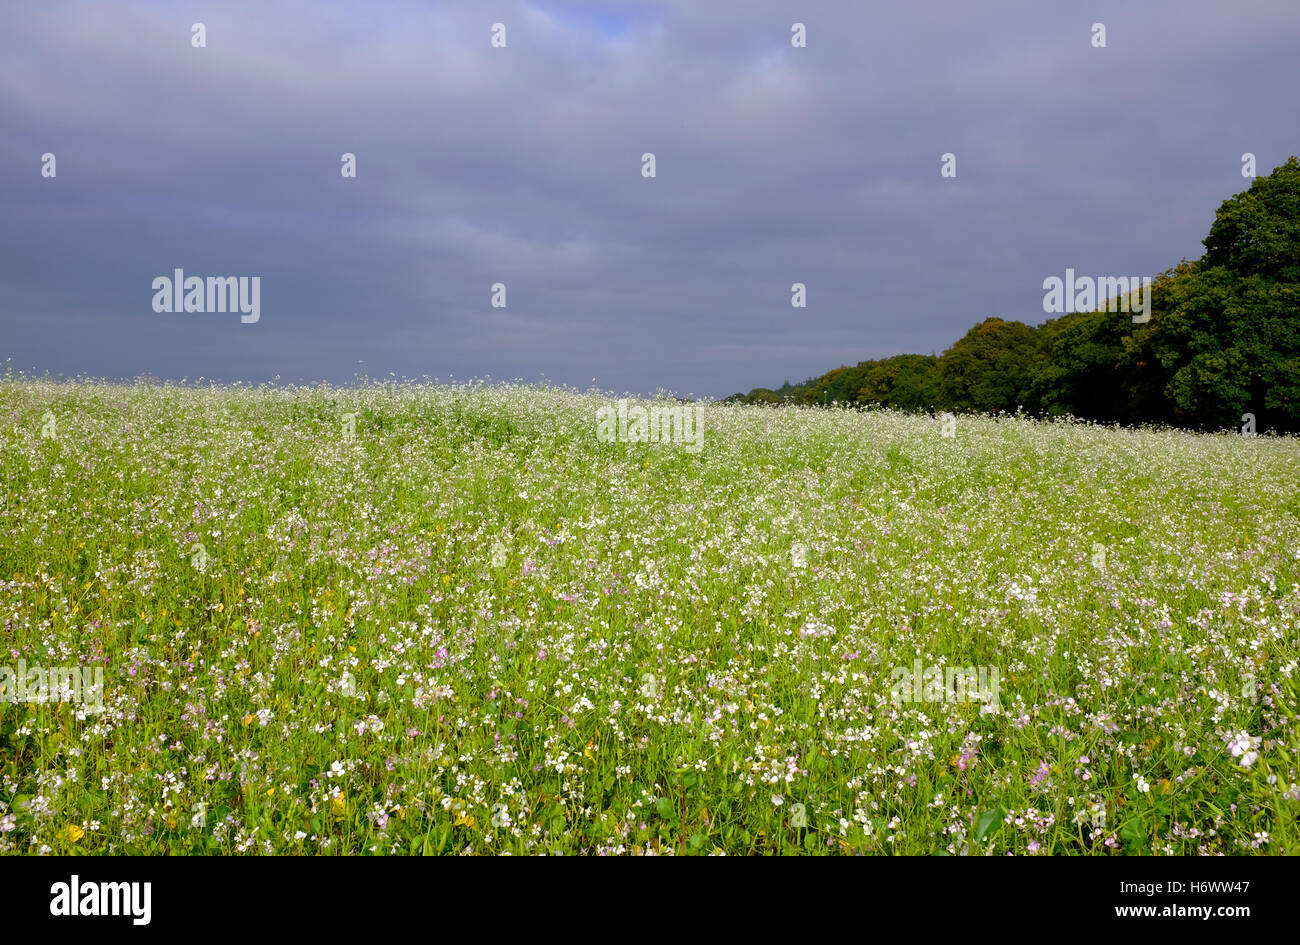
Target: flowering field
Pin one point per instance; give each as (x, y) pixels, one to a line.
(434, 619)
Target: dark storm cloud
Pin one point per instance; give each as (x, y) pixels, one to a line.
(522, 165)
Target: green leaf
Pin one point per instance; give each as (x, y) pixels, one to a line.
(1134, 834)
(989, 822)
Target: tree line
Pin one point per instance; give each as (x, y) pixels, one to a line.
(1222, 341)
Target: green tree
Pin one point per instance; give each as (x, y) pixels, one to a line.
(1227, 341)
(991, 368)
(1079, 372)
(905, 382)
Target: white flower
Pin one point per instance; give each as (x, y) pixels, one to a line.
(815, 628)
(1243, 747)
(778, 800)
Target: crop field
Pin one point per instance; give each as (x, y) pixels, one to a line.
(434, 619)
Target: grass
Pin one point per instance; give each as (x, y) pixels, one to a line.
(463, 624)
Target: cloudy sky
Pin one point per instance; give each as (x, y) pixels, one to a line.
(522, 165)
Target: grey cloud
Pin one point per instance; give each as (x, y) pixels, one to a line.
(522, 165)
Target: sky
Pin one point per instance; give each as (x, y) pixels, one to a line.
(522, 165)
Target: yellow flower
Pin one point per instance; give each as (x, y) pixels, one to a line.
(72, 833)
(339, 804)
(463, 818)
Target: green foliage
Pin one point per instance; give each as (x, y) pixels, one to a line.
(1223, 340)
(464, 624)
(904, 382)
(1257, 233)
(1079, 372)
(991, 368)
(1229, 340)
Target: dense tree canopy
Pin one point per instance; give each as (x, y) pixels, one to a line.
(990, 368)
(905, 382)
(1223, 341)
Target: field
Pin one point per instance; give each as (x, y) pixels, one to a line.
(451, 619)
